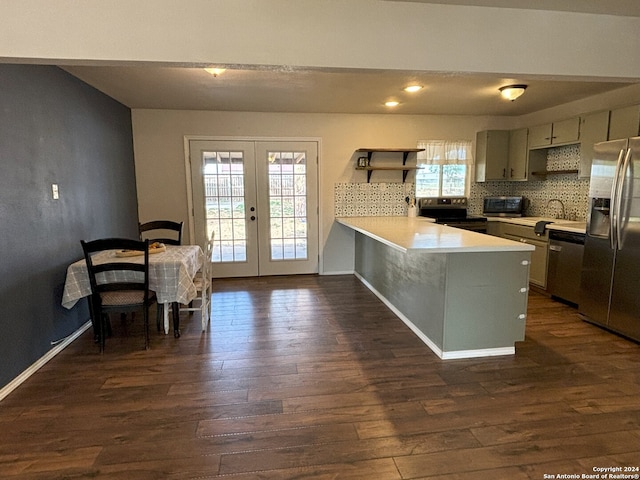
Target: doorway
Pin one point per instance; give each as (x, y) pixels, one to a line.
(260, 201)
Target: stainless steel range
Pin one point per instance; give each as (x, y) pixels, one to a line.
(451, 211)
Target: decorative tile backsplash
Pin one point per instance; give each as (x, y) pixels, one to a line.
(568, 188)
(371, 199)
(388, 199)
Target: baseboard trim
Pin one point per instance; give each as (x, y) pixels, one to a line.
(479, 353)
(16, 382)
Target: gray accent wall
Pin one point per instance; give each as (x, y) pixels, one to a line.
(55, 129)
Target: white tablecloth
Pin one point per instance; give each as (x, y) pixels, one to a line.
(170, 274)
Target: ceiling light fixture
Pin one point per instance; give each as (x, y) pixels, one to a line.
(215, 71)
(413, 88)
(511, 92)
(391, 103)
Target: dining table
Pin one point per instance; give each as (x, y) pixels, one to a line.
(171, 274)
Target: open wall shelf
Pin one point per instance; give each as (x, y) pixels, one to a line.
(403, 168)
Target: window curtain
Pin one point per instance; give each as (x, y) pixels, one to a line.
(445, 152)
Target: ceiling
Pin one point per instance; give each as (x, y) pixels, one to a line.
(327, 91)
(286, 89)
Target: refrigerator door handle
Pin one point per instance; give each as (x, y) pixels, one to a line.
(613, 220)
(618, 206)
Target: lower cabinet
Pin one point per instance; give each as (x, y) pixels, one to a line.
(494, 228)
(526, 234)
(539, 259)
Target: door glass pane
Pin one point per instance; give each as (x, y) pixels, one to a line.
(288, 205)
(225, 205)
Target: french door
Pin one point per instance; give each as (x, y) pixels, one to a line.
(260, 201)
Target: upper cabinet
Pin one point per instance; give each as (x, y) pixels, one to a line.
(516, 155)
(518, 151)
(540, 135)
(501, 155)
(593, 129)
(624, 122)
(492, 155)
(602, 126)
(553, 134)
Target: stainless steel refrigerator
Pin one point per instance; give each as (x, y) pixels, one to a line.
(610, 281)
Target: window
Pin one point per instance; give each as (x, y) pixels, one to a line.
(445, 168)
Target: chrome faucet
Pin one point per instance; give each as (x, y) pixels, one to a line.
(563, 216)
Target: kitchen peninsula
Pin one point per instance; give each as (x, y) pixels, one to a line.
(462, 293)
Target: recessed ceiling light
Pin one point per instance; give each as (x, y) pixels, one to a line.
(215, 71)
(391, 103)
(413, 88)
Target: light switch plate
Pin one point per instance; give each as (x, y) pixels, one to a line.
(54, 191)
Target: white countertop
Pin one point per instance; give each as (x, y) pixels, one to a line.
(419, 233)
(558, 223)
(568, 226)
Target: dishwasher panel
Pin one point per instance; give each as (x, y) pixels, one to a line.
(565, 265)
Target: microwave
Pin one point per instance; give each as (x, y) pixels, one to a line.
(504, 206)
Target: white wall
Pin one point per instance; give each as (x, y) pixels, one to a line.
(160, 165)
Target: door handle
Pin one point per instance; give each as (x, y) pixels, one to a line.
(613, 219)
(555, 248)
(618, 208)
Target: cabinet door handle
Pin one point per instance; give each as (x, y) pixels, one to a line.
(555, 248)
(512, 173)
(504, 173)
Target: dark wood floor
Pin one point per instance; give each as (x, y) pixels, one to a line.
(313, 377)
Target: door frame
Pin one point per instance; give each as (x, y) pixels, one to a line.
(215, 138)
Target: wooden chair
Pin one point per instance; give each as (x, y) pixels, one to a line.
(202, 281)
(117, 284)
(164, 231)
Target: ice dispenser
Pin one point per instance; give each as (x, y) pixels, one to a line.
(600, 221)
